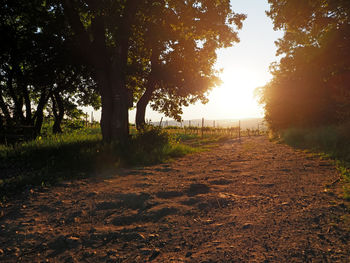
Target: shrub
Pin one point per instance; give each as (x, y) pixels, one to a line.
(294, 137)
(153, 145)
(333, 140)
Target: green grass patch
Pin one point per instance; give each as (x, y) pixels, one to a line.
(330, 141)
(344, 169)
(47, 160)
(80, 153)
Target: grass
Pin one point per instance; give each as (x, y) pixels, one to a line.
(81, 153)
(47, 160)
(345, 172)
(332, 141)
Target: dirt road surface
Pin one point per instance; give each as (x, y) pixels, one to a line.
(248, 201)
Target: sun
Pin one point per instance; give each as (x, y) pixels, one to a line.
(235, 97)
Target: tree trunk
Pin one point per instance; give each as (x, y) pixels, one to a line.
(120, 121)
(25, 93)
(58, 111)
(110, 73)
(147, 96)
(115, 115)
(142, 105)
(1, 122)
(18, 114)
(106, 103)
(5, 110)
(39, 114)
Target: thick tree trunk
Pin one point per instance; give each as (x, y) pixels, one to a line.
(141, 107)
(110, 73)
(120, 121)
(115, 115)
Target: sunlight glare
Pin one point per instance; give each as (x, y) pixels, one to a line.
(235, 97)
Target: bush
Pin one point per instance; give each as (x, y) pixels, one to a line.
(294, 137)
(172, 127)
(153, 145)
(75, 124)
(151, 139)
(333, 140)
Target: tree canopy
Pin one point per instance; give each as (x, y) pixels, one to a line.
(61, 53)
(179, 52)
(36, 68)
(310, 85)
(145, 47)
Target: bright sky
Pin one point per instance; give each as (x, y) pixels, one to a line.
(245, 67)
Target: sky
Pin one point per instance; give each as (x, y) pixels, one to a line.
(245, 67)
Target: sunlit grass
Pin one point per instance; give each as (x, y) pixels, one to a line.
(82, 153)
(331, 141)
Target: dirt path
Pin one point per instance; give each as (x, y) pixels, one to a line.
(253, 201)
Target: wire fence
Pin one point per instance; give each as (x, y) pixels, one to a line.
(213, 127)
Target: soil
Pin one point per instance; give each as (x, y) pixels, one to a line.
(243, 201)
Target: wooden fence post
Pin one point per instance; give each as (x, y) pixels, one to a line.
(239, 129)
(202, 126)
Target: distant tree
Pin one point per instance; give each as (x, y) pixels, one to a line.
(75, 90)
(310, 83)
(36, 66)
(27, 59)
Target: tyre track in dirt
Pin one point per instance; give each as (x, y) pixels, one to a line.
(248, 201)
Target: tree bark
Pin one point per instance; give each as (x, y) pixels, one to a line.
(142, 105)
(110, 68)
(150, 87)
(5, 110)
(115, 114)
(39, 114)
(106, 103)
(18, 113)
(25, 94)
(58, 111)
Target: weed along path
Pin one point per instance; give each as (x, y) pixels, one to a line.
(248, 201)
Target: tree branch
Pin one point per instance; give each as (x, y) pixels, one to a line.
(78, 28)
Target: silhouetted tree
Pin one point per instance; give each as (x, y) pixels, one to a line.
(114, 36)
(182, 42)
(310, 83)
(36, 65)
